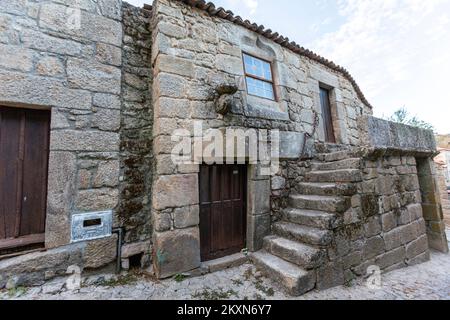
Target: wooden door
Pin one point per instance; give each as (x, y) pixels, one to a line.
(24, 148)
(326, 115)
(222, 210)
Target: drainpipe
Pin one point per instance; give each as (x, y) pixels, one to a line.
(119, 232)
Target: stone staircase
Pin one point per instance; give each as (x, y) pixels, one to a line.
(298, 244)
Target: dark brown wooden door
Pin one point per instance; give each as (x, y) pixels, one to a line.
(222, 210)
(326, 115)
(24, 148)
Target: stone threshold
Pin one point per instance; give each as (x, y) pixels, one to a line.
(235, 260)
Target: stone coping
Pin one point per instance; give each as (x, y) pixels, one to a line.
(389, 138)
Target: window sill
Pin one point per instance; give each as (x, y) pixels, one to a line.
(256, 107)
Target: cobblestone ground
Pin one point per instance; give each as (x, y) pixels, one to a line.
(430, 280)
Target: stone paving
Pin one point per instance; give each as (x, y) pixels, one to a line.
(430, 280)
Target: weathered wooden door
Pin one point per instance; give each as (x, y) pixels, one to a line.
(326, 115)
(24, 148)
(222, 210)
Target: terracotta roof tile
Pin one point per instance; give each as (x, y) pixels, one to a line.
(211, 9)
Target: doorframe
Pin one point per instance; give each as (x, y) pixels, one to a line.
(34, 242)
(330, 94)
(338, 114)
(246, 202)
(259, 209)
(258, 213)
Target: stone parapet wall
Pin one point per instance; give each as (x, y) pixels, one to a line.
(390, 137)
(385, 226)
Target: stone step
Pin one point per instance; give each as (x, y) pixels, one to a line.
(334, 156)
(344, 175)
(320, 203)
(330, 147)
(294, 279)
(351, 163)
(311, 218)
(297, 253)
(326, 188)
(307, 235)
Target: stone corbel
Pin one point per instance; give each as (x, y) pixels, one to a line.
(225, 98)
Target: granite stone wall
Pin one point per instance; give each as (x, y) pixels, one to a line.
(66, 56)
(89, 63)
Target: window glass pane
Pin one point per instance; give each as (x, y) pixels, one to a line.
(260, 88)
(257, 67)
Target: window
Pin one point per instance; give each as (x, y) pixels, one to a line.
(259, 78)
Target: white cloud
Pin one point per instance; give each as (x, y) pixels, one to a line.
(397, 50)
(250, 5)
(139, 3)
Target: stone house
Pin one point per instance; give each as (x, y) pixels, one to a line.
(91, 93)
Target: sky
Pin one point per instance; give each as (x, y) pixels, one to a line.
(398, 51)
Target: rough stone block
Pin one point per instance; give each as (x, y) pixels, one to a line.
(17, 58)
(108, 54)
(232, 261)
(278, 183)
(172, 86)
(372, 227)
(259, 197)
(408, 233)
(438, 242)
(417, 247)
(175, 65)
(107, 174)
(392, 239)
(171, 30)
(415, 211)
(388, 221)
(100, 253)
(91, 75)
(431, 212)
(230, 64)
(373, 247)
(32, 269)
(390, 258)
(186, 217)
(91, 26)
(404, 217)
(353, 259)
(61, 189)
(170, 246)
(97, 199)
(330, 276)
(106, 120)
(50, 66)
(162, 221)
(107, 101)
(175, 191)
(132, 249)
(258, 227)
(41, 91)
(424, 257)
(72, 140)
